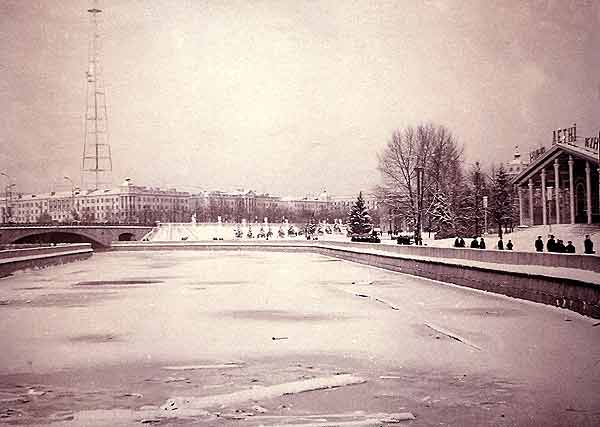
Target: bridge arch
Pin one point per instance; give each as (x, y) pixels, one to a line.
(126, 237)
(43, 236)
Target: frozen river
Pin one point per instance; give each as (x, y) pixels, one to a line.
(109, 340)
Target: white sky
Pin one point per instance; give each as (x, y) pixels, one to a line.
(289, 97)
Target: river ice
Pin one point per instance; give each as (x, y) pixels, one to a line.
(99, 336)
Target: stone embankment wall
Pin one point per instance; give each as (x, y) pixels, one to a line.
(577, 261)
(517, 274)
(576, 295)
(12, 260)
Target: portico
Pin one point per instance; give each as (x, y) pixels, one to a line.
(560, 185)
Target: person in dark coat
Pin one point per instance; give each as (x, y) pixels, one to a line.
(551, 244)
(588, 245)
(509, 245)
(462, 242)
(539, 244)
(457, 242)
(500, 244)
(570, 249)
(560, 247)
(481, 243)
(474, 243)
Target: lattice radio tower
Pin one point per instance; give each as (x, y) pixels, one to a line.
(96, 167)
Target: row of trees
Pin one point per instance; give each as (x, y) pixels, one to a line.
(451, 196)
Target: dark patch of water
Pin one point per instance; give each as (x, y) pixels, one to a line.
(95, 338)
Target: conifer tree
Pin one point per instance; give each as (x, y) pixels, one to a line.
(474, 208)
(500, 204)
(360, 220)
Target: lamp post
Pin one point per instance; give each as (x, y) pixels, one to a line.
(485, 206)
(419, 171)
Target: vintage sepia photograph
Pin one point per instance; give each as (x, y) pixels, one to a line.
(302, 213)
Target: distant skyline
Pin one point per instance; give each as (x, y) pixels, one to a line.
(289, 97)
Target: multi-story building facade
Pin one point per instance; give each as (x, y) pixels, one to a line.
(209, 205)
(346, 202)
(134, 204)
(126, 203)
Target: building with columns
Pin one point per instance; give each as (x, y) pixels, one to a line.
(561, 184)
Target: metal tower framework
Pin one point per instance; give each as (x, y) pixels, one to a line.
(96, 168)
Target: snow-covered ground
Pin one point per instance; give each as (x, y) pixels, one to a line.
(110, 340)
(523, 238)
(170, 232)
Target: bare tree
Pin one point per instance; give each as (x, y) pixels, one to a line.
(435, 150)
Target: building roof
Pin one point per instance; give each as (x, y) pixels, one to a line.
(549, 155)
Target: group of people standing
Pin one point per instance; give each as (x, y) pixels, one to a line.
(509, 244)
(480, 244)
(558, 246)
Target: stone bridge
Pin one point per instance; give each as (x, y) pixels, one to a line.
(100, 236)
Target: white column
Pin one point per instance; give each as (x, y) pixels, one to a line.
(530, 185)
(557, 188)
(520, 192)
(571, 190)
(544, 215)
(588, 192)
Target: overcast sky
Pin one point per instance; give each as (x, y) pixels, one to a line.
(289, 97)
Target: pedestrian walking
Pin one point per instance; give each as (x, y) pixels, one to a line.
(551, 244)
(570, 249)
(588, 245)
(474, 243)
(539, 244)
(481, 243)
(462, 242)
(457, 242)
(560, 247)
(509, 245)
(500, 244)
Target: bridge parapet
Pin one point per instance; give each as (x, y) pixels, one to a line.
(98, 236)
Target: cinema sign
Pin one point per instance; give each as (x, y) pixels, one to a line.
(592, 142)
(568, 135)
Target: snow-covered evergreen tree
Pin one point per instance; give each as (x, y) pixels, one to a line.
(500, 206)
(360, 220)
(473, 212)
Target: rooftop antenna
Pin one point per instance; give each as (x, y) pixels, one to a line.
(96, 166)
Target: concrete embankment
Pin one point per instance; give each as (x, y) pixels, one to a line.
(12, 260)
(559, 280)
